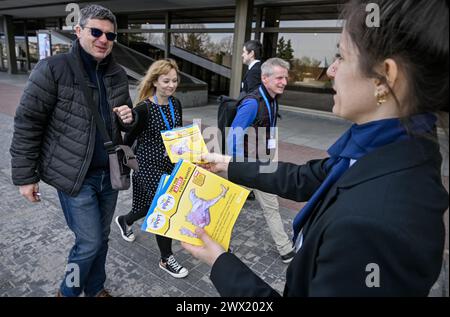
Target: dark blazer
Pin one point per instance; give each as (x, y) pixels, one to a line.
(252, 79)
(385, 212)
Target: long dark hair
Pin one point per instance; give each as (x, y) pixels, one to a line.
(415, 34)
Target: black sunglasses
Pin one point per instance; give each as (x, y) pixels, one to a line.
(110, 36)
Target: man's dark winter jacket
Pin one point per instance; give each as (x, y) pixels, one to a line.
(54, 131)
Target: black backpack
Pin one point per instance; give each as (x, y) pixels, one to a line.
(227, 111)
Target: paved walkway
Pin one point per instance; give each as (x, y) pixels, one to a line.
(34, 239)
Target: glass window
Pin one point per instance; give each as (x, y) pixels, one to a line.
(202, 25)
(150, 38)
(149, 44)
(21, 55)
(147, 26)
(59, 46)
(220, 47)
(311, 23)
(193, 42)
(44, 45)
(216, 47)
(309, 54)
(33, 48)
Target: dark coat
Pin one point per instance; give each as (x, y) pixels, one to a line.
(252, 78)
(385, 212)
(54, 131)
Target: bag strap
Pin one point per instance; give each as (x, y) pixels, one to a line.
(252, 95)
(76, 69)
(129, 158)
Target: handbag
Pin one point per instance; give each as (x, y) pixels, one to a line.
(121, 157)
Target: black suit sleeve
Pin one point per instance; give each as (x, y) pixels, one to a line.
(253, 78)
(232, 278)
(291, 181)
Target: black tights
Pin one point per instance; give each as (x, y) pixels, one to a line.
(164, 243)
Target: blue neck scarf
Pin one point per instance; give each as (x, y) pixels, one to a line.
(357, 142)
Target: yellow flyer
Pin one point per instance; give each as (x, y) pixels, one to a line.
(193, 197)
(185, 143)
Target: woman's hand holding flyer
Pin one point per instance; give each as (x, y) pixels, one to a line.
(215, 163)
(208, 252)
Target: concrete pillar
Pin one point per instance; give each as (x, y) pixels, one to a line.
(242, 31)
(8, 29)
(270, 40)
(167, 36)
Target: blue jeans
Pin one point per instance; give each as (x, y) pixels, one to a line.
(89, 216)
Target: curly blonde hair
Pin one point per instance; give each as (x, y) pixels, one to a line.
(158, 68)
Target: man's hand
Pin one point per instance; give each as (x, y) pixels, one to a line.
(124, 113)
(30, 192)
(215, 163)
(208, 252)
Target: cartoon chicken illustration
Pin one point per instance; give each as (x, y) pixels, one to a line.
(199, 215)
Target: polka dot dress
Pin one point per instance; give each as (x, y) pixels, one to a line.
(151, 156)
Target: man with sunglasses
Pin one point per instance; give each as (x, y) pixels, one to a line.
(56, 140)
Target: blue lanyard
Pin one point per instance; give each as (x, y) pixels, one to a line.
(172, 112)
(275, 106)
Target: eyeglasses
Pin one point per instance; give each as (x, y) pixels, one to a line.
(110, 36)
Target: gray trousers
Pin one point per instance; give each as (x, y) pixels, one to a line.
(271, 211)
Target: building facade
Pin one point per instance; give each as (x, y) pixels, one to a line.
(205, 37)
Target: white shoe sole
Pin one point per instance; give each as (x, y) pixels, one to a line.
(287, 261)
(179, 275)
(123, 233)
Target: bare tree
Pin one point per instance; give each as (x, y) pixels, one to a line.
(194, 42)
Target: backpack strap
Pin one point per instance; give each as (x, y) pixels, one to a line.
(254, 95)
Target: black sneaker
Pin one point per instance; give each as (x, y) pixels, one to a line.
(125, 230)
(172, 267)
(288, 257)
